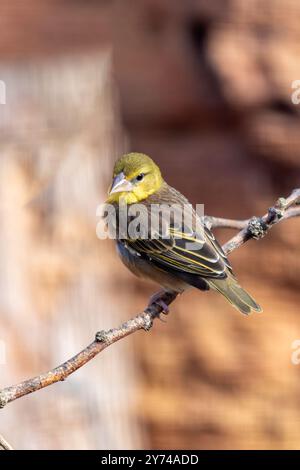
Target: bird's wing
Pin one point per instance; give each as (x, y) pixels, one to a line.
(190, 254)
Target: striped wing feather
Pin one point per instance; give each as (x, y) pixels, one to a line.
(184, 253)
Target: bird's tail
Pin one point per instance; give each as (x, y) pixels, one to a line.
(235, 294)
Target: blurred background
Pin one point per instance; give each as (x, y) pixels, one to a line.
(205, 89)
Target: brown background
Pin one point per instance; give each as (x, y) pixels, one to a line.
(205, 89)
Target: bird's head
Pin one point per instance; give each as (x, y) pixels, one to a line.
(135, 177)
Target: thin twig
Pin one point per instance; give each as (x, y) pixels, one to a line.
(258, 227)
(4, 445)
(219, 222)
(252, 228)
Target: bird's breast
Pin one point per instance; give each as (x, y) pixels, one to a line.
(142, 267)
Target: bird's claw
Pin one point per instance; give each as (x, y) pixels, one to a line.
(164, 306)
(161, 318)
(157, 300)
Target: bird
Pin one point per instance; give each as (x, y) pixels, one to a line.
(177, 259)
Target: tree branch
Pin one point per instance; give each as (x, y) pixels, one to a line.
(256, 228)
(4, 445)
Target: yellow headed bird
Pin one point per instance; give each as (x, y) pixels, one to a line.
(182, 258)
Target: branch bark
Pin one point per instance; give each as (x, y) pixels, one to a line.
(256, 227)
(4, 445)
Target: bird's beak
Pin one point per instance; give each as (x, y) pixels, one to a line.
(120, 184)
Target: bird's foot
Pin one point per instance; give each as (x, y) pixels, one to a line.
(157, 299)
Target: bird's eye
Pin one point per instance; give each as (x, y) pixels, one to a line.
(140, 177)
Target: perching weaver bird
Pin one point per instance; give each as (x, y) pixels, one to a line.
(170, 261)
